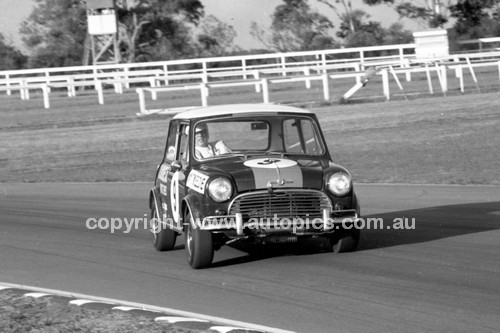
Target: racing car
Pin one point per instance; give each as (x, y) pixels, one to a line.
(257, 173)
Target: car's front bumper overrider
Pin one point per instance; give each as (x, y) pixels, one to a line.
(238, 226)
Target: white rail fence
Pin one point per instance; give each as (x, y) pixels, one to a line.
(255, 70)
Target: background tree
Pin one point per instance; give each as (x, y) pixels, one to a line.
(372, 33)
(397, 34)
(10, 57)
(295, 27)
(351, 22)
(357, 30)
(157, 27)
(216, 38)
(347, 13)
(476, 18)
(55, 33)
(436, 13)
(432, 12)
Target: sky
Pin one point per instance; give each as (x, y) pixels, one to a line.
(238, 13)
(12, 12)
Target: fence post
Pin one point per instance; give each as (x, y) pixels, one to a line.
(406, 64)
(165, 73)
(385, 84)
(265, 90)
(256, 76)
(45, 92)
(71, 87)
(7, 77)
(357, 68)
(204, 77)
(244, 67)
(443, 80)
(471, 69)
(142, 103)
(459, 73)
(25, 92)
(126, 83)
(47, 75)
(306, 73)
(204, 94)
(100, 95)
(326, 88)
(429, 81)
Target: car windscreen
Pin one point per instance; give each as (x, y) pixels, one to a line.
(293, 135)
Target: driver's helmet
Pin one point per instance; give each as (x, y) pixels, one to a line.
(201, 128)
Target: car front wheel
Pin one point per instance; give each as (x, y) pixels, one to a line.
(198, 243)
(163, 237)
(347, 241)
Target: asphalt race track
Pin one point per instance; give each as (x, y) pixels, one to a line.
(441, 276)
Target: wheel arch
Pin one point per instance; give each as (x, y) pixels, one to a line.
(154, 199)
(188, 204)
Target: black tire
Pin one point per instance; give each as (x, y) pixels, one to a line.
(198, 243)
(347, 241)
(163, 237)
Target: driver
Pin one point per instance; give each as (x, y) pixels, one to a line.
(205, 149)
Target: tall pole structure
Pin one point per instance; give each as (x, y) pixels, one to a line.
(435, 5)
(102, 31)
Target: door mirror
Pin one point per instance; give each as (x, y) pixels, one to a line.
(175, 166)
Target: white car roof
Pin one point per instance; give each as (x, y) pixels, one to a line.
(228, 109)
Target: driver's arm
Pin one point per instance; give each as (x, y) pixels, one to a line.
(221, 148)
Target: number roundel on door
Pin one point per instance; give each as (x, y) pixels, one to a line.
(174, 196)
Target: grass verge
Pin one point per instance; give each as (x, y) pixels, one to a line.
(436, 139)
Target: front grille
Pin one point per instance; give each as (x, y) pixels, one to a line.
(280, 204)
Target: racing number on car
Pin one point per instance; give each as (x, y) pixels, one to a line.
(174, 196)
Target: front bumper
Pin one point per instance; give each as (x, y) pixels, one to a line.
(236, 226)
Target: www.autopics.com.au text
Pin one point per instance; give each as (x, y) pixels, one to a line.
(126, 225)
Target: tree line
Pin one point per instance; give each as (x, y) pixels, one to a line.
(55, 33)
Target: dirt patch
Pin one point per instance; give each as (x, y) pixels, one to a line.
(19, 313)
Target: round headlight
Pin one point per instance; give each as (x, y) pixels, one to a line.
(220, 189)
(339, 183)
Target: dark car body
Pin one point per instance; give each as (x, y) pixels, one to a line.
(272, 179)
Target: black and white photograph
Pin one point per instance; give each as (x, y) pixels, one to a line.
(249, 166)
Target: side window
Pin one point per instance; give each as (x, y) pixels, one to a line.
(292, 138)
(170, 146)
(183, 145)
(300, 137)
(310, 140)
